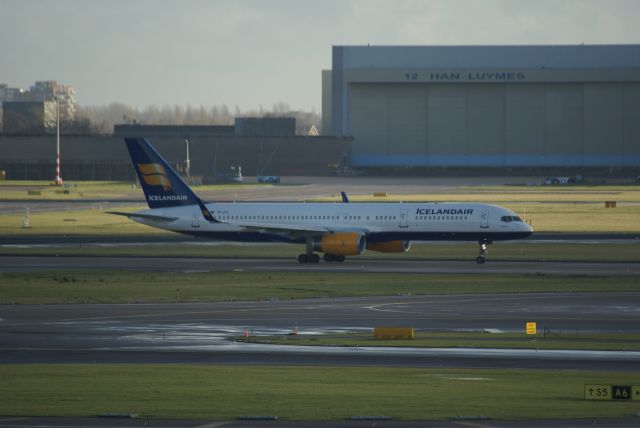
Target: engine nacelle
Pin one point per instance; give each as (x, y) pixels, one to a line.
(341, 244)
(389, 246)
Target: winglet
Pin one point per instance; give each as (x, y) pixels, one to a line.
(345, 198)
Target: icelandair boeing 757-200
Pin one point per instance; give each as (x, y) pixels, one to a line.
(335, 229)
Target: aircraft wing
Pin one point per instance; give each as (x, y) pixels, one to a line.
(151, 217)
(297, 229)
(291, 229)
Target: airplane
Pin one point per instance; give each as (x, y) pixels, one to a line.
(336, 229)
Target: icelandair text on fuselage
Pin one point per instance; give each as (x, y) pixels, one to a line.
(447, 211)
(167, 197)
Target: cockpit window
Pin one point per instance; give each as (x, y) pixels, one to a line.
(509, 218)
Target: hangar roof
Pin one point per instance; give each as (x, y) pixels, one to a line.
(506, 57)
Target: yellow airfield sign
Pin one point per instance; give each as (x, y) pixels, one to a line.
(531, 328)
(597, 392)
(611, 392)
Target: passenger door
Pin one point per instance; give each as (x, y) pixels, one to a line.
(195, 218)
(404, 218)
(484, 220)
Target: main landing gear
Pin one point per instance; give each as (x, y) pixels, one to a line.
(333, 258)
(314, 258)
(311, 257)
(308, 258)
(482, 257)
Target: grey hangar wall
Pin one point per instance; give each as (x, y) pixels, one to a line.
(486, 106)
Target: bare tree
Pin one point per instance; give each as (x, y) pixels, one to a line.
(101, 119)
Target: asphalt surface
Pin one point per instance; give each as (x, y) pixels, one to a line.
(33, 263)
(175, 238)
(202, 332)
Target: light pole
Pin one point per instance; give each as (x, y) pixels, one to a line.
(188, 162)
(58, 181)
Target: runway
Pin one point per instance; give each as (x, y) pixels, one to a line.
(28, 264)
(202, 333)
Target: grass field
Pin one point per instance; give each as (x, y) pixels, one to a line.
(20, 190)
(303, 393)
(549, 209)
(550, 340)
(544, 217)
(130, 287)
(504, 194)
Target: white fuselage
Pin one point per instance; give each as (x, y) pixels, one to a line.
(378, 221)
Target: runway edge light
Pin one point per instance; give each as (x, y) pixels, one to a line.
(531, 328)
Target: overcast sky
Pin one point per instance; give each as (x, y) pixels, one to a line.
(258, 52)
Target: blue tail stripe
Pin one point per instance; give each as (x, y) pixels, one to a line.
(161, 185)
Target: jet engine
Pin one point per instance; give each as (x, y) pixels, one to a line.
(389, 246)
(341, 244)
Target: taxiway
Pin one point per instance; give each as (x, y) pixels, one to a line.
(203, 332)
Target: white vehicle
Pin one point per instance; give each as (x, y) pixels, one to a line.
(335, 229)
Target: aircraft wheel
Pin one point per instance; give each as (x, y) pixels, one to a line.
(480, 260)
(302, 258)
(314, 258)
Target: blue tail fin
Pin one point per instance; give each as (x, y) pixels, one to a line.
(162, 186)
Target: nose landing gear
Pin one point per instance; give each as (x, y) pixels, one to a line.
(482, 257)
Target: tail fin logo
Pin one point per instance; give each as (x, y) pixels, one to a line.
(154, 175)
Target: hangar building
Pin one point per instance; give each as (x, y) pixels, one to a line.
(486, 106)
